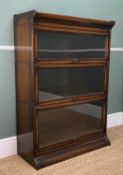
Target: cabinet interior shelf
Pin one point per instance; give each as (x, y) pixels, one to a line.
(72, 51)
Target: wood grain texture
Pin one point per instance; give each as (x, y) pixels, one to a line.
(23, 61)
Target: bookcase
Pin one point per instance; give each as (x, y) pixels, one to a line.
(62, 68)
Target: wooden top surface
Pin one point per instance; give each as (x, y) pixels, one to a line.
(86, 21)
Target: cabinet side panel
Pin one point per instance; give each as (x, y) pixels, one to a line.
(24, 89)
(23, 73)
(23, 42)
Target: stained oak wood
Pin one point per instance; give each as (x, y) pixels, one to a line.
(69, 101)
(38, 129)
(70, 63)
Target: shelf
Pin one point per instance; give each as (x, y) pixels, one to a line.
(71, 50)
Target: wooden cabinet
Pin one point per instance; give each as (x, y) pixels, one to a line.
(62, 66)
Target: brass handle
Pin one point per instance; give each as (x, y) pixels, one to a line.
(75, 61)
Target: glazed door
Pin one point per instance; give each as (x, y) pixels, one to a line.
(71, 85)
(61, 83)
(57, 126)
(59, 45)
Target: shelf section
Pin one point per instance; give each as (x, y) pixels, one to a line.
(69, 123)
(68, 82)
(56, 45)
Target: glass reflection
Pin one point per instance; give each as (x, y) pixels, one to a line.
(57, 45)
(66, 82)
(66, 123)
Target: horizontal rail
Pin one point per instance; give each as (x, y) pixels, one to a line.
(69, 63)
(69, 101)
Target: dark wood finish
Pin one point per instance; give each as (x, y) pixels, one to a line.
(69, 101)
(70, 63)
(30, 110)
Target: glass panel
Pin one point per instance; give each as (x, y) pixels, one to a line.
(59, 83)
(66, 123)
(57, 45)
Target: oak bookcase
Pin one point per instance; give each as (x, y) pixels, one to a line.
(62, 67)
